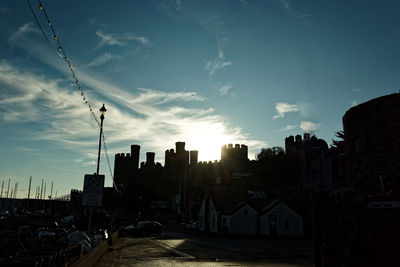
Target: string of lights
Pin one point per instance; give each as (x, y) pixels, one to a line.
(61, 52)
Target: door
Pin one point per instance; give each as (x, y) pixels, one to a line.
(272, 225)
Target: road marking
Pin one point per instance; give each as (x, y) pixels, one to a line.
(180, 253)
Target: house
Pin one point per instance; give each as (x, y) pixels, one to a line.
(241, 211)
(278, 219)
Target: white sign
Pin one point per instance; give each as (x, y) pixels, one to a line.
(93, 190)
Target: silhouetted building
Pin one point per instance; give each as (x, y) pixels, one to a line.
(235, 158)
(372, 143)
(315, 157)
(126, 166)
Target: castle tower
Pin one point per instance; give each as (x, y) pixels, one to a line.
(135, 151)
(193, 157)
(289, 144)
(150, 158)
(235, 158)
(180, 147)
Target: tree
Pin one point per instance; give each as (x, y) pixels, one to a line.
(270, 153)
(338, 144)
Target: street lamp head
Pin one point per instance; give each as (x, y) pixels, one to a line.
(103, 111)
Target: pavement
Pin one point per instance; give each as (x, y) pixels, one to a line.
(185, 249)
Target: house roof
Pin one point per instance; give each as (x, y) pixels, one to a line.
(228, 199)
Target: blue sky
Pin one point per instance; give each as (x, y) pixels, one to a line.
(205, 72)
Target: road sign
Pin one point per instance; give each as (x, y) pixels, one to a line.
(93, 190)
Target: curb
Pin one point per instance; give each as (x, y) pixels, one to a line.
(93, 256)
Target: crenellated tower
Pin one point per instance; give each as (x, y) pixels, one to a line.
(235, 158)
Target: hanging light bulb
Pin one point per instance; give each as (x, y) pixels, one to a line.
(59, 48)
(70, 66)
(74, 76)
(54, 37)
(40, 7)
(77, 82)
(48, 23)
(66, 59)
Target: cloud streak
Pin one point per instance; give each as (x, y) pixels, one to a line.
(213, 66)
(282, 108)
(101, 60)
(309, 126)
(225, 89)
(114, 39)
(155, 119)
(288, 128)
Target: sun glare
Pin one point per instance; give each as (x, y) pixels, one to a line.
(208, 142)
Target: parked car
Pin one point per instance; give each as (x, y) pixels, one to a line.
(193, 226)
(142, 228)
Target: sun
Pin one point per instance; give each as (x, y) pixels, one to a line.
(208, 141)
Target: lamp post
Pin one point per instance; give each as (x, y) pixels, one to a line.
(103, 111)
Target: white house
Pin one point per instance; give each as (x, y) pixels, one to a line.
(208, 216)
(238, 211)
(278, 219)
(242, 220)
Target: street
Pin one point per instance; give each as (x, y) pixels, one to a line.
(189, 249)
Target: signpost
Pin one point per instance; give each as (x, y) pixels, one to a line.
(93, 190)
(92, 194)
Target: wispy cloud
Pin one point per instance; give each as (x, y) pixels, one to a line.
(225, 89)
(213, 65)
(26, 149)
(23, 30)
(288, 128)
(353, 103)
(102, 60)
(119, 39)
(309, 126)
(155, 119)
(288, 6)
(282, 108)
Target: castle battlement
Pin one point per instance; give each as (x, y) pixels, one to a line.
(122, 155)
(230, 150)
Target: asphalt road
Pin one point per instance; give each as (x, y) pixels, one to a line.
(189, 249)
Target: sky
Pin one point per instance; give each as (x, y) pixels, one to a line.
(207, 73)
